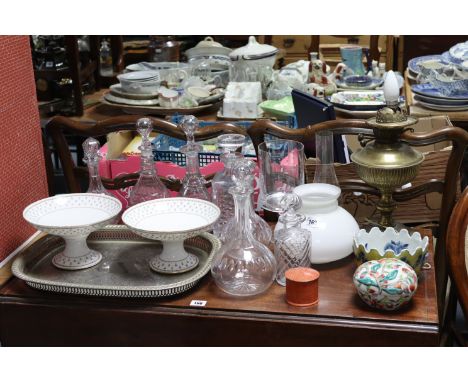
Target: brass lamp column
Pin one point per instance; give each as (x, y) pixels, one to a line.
(388, 163)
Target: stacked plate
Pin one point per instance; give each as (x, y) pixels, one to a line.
(136, 89)
(431, 98)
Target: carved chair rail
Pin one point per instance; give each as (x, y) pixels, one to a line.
(56, 127)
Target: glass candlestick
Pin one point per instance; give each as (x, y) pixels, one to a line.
(193, 184)
(260, 229)
(148, 186)
(91, 158)
(222, 181)
(243, 266)
(293, 244)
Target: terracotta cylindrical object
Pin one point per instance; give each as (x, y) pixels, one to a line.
(302, 286)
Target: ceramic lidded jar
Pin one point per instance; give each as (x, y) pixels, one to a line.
(332, 227)
(249, 60)
(385, 284)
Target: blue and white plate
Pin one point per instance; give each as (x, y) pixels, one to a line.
(440, 101)
(447, 59)
(376, 82)
(413, 64)
(434, 106)
(430, 91)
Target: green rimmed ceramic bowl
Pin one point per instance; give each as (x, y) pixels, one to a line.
(377, 244)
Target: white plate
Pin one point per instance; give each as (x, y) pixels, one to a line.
(443, 107)
(143, 75)
(132, 102)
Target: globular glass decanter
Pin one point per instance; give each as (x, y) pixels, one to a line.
(260, 229)
(293, 244)
(148, 186)
(193, 184)
(91, 158)
(243, 266)
(222, 181)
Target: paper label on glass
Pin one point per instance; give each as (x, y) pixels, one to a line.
(313, 222)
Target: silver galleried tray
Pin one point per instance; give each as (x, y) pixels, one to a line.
(123, 271)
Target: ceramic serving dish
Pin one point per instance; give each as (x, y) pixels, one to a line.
(414, 63)
(359, 100)
(73, 217)
(283, 107)
(430, 90)
(377, 244)
(207, 47)
(172, 220)
(386, 284)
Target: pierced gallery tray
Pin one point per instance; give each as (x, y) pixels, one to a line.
(124, 270)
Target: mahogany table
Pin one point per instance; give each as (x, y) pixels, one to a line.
(31, 317)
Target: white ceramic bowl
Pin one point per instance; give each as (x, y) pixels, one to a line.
(172, 220)
(73, 217)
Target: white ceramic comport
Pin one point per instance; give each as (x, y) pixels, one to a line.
(172, 220)
(73, 217)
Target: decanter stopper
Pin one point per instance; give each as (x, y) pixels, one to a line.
(243, 174)
(144, 127)
(91, 150)
(289, 204)
(189, 125)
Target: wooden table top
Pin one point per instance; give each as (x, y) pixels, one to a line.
(339, 305)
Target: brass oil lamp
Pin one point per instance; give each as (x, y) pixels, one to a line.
(387, 163)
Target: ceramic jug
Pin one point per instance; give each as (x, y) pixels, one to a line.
(351, 56)
(332, 227)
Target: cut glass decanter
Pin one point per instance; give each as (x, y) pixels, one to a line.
(91, 158)
(293, 244)
(148, 186)
(193, 184)
(243, 266)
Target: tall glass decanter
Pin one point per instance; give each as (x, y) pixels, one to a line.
(222, 181)
(91, 158)
(193, 184)
(148, 186)
(243, 266)
(293, 244)
(260, 229)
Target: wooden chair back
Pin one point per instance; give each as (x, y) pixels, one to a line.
(56, 127)
(457, 250)
(450, 161)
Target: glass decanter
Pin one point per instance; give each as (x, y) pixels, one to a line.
(91, 158)
(243, 266)
(148, 186)
(193, 184)
(260, 229)
(293, 244)
(222, 181)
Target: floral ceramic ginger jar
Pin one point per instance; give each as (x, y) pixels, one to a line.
(385, 284)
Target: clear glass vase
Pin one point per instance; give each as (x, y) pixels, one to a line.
(148, 186)
(91, 158)
(324, 165)
(243, 266)
(293, 244)
(222, 181)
